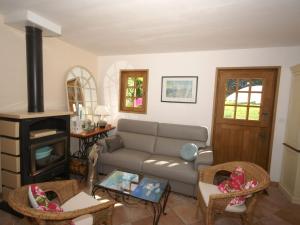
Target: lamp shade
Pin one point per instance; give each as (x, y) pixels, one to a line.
(101, 110)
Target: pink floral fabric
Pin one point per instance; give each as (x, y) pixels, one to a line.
(42, 200)
(43, 203)
(237, 182)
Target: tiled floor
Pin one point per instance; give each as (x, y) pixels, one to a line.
(272, 209)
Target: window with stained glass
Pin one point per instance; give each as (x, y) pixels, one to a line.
(133, 91)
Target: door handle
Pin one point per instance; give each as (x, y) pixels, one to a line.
(265, 114)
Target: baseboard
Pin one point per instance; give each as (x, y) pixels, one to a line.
(291, 198)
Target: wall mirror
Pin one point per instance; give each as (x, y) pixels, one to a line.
(81, 92)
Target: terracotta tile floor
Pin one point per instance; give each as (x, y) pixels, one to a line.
(272, 209)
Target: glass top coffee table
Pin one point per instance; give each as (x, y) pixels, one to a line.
(149, 189)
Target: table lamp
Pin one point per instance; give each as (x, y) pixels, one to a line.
(101, 111)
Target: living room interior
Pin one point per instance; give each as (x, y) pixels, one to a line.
(196, 40)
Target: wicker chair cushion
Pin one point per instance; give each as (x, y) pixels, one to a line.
(81, 201)
(237, 182)
(209, 189)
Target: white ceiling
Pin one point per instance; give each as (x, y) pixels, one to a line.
(110, 27)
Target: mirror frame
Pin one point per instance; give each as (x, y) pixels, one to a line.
(74, 75)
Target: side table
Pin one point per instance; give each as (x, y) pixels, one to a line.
(79, 159)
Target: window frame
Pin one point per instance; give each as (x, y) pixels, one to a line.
(248, 106)
(124, 75)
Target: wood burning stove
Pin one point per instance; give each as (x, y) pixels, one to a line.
(45, 149)
(35, 148)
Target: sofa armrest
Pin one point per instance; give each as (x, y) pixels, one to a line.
(204, 157)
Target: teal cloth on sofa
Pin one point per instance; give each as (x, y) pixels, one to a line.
(189, 152)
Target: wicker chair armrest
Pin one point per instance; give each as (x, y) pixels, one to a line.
(18, 198)
(103, 216)
(207, 174)
(234, 194)
(65, 189)
(57, 216)
(219, 201)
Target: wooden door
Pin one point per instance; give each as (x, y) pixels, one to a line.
(244, 106)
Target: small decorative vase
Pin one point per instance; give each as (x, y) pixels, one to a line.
(102, 123)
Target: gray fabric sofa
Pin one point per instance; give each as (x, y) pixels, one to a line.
(153, 148)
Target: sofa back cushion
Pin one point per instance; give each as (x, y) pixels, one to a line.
(185, 132)
(138, 135)
(138, 126)
(139, 142)
(171, 146)
(171, 138)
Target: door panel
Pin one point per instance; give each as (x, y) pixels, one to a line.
(244, 113)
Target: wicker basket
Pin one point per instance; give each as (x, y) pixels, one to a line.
(79, 166)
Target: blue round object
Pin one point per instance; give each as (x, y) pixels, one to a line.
(43, 152)
(189, 152)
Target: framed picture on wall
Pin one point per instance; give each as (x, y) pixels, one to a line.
(179, 89)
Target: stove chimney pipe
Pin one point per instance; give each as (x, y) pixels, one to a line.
(34, 54)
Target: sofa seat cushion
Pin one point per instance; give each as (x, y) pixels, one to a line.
(171, 168)
(80, 201)
(209, 189)
(125, 158)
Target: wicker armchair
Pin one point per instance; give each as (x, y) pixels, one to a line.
(65, 190)
(217, 202)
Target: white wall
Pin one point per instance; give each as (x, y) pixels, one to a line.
(58, 58)
(202, 64)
